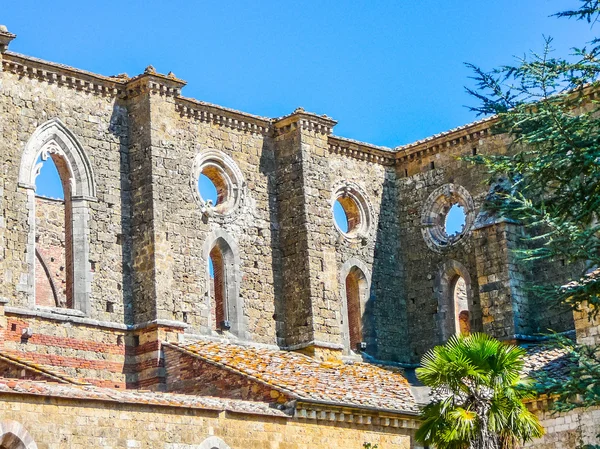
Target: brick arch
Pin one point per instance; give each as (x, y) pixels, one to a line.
(14, 436)
(445, 281)
(213, 443)
(356, 304)
(220, 243)
(54, 139)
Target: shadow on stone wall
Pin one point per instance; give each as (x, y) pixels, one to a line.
(267, 168)
(386, 332)
(119, 127)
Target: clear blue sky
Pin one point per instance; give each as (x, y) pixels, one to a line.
(390, 72)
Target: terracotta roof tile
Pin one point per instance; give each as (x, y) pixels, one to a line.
(349, 384)
(89, 392)
(547, 359)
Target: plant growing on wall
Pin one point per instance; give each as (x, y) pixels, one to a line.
(477, 395)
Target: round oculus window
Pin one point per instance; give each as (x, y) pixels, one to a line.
(351, 211)
(216, 183)
(447, 216)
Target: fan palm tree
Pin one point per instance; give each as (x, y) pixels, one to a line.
(477, 391)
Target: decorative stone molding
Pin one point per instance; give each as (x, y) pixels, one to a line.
(300, 119)
(227, 178)
(361, 151)
(61, 75)
(5, 38)
(471, 132)
(53, 137)
(434, 213)
(309, 411)
(15, 436)
(219, 115)
(154, 83)
(358, 209)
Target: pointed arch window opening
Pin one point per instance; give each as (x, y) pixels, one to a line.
(53, 231)
(462, 314)
(53, 140)
(356, 294)
(219, 291)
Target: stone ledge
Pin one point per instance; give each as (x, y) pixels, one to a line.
(361, 150)
(74, 317)
(356, 415)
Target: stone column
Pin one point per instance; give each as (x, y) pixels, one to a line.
(311, 303)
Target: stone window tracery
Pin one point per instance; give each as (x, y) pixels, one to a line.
(350, 210)
(447, 217)
(227, 181)
(58, 240)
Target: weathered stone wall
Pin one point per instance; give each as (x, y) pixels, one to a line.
(574, 429)
(25, 103)
(420, 264)
(95, 424)
(174, 247)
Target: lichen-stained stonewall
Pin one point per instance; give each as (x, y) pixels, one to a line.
(137, 312)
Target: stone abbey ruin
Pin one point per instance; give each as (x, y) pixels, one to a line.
(303, 333)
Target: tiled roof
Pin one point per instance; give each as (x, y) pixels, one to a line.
(304, 378)
(592, 276)
(52, 373)
(89, 392)
(552, 361)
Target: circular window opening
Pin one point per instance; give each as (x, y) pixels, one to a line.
(340, 217)
(207, 189)
(347, 215)
(217, 183)
(455, 221)
(350, 211)
(447, 216)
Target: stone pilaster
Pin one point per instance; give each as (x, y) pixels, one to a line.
(501, 279)
(146, 94)
(310, 322)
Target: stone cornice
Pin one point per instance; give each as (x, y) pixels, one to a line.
(61, 74)
(169, 85)
(354, 415)
(5, 38)
(361, 150)
(220, 115)
(155, 83)
(471, 132)
(300, 119)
